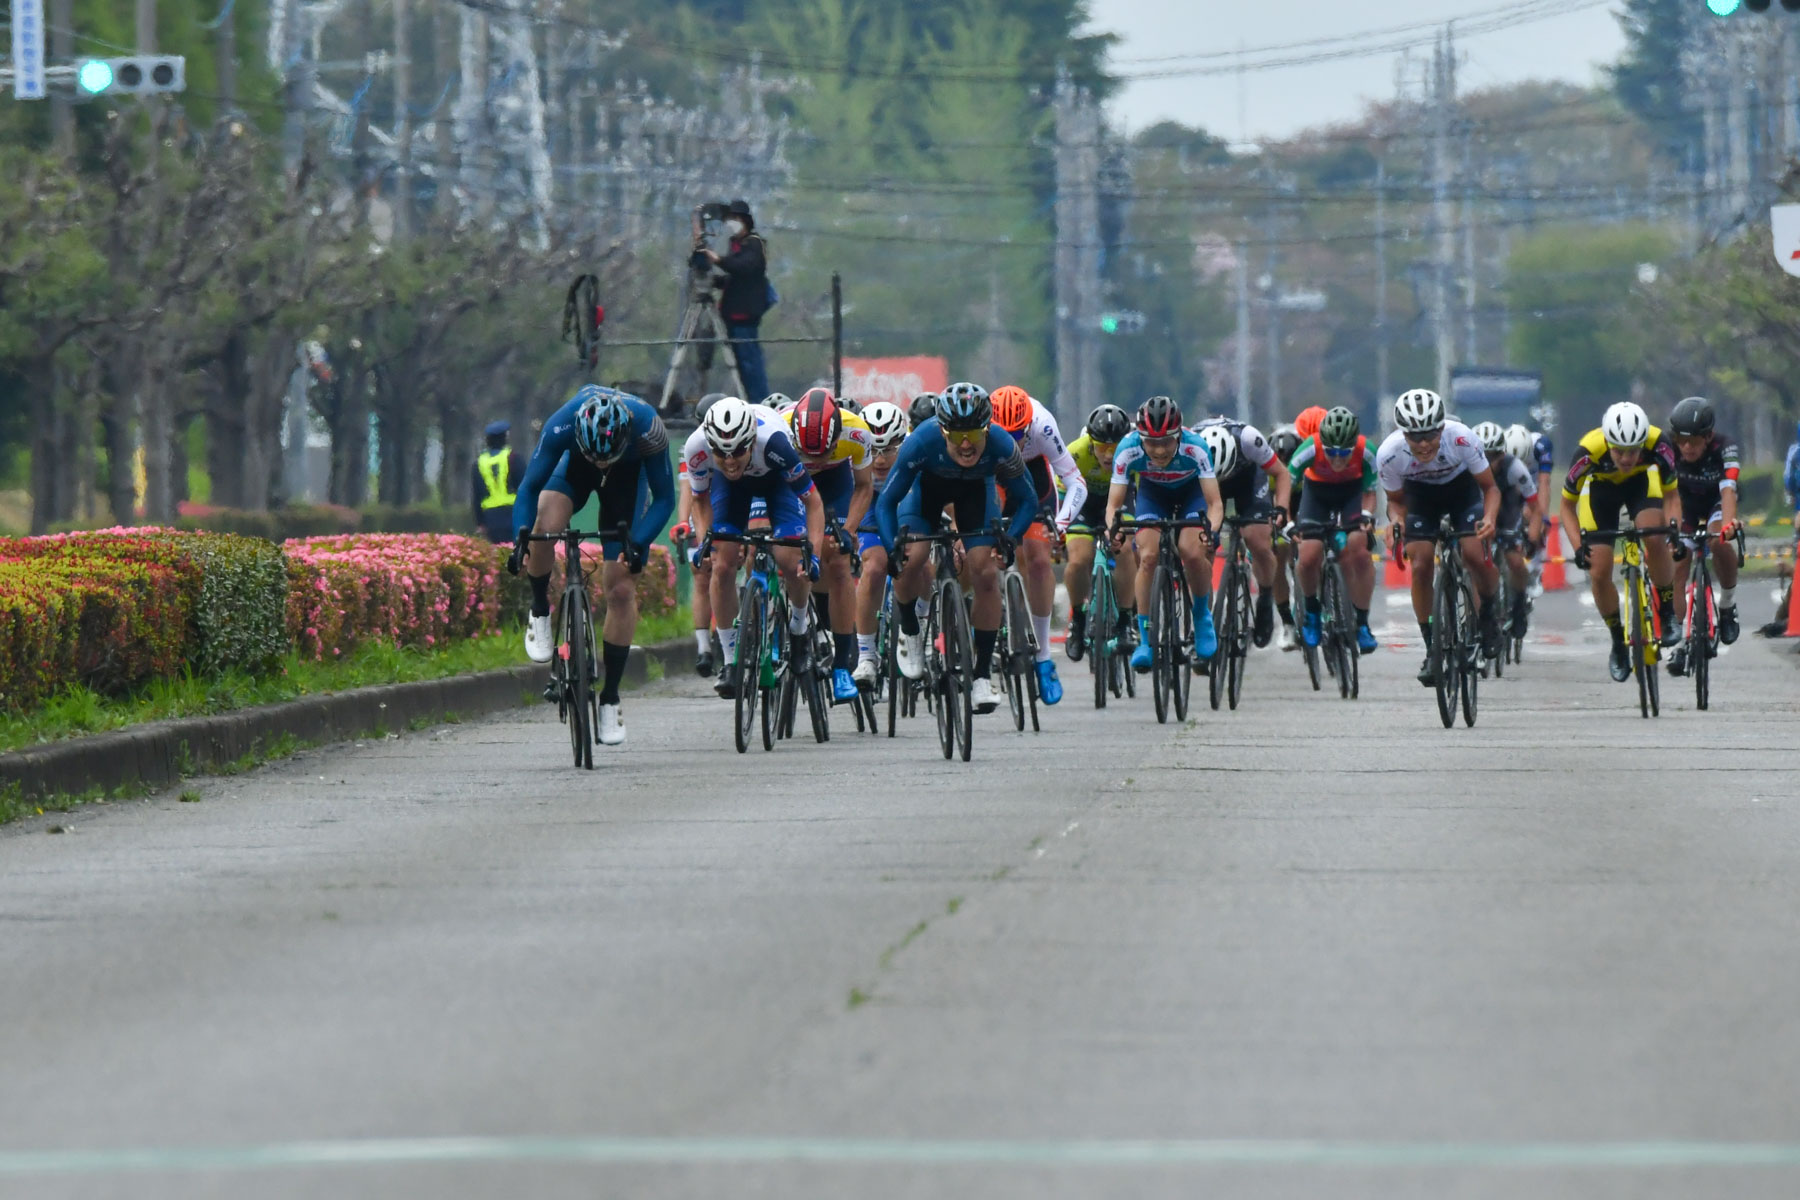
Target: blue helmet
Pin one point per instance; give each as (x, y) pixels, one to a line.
(965, 406)
(602, 424)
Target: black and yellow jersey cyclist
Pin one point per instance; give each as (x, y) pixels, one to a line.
(1627, 465)
(1093, 455)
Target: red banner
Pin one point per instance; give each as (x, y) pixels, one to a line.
(896, 380)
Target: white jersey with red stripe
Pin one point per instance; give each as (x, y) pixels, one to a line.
(697, 459)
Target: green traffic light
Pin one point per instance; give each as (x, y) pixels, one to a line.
(1109, 324)
(1723, 8)
(95, 76)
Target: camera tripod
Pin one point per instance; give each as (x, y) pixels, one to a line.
(701, 329)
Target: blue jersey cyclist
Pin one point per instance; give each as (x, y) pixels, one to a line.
(954, 460)
(754, 459)
(602, 441)
(1174, 477)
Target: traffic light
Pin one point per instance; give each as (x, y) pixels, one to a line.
(1728, 8)
(135, 75)
(1122, 322)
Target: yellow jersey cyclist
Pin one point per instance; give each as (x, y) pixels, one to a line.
(888, 427)
(838, 450)
(1093, 453)
(1048, 462)
(1339, 468)
(1628, 464)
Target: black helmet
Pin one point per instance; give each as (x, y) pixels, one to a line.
(1159, 416)
(1285, 440)
(924, 407)
(1693, 417)
(706, 402)
(1108, 424)
(965, 406)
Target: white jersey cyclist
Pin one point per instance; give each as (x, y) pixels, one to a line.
(1459, 452)
(1045, 452)
(697, 459)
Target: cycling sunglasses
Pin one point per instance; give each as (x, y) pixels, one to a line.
(1339, 451)
(1429, 435)
(965, 437)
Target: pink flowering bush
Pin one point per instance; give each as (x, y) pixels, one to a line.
(410, 589)
(656, 594)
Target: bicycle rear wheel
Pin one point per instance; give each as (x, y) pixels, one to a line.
(1162, 626)
(748, 668)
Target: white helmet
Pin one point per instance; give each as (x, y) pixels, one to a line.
(1625, 425)
(886, 422)
(1222, 447)
(730, 426)
(1491, 437)
(1419, 411)
(1519, 442)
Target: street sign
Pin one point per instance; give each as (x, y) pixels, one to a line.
(28, 49)
(1784, 220)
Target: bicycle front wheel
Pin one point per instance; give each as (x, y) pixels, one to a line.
(1240, 635)
(1467, 633)
(1225, 621)
(1181, 662)
(1162, 635)
(580, 668)
(1639, 632)
(749, 661)
(1444, 657)
(1099, 652)
(959, 653)
(1349, 661)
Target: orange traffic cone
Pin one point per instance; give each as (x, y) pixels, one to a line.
(1393, 570)
(1793, 628)
(1553, 577)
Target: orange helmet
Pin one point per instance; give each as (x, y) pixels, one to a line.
(1012, 408)
(1307, 423)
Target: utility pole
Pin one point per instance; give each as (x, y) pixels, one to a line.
(62, 49)
(298, 74)
(1443, 92)
(1077, 259)
(403, 125)
(1272, 304)
(146, 26)
(226, 54)
(1470, 350)
(1381, 277)
(1243, 332)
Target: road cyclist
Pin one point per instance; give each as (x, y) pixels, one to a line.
(888, 427)
(1093, 453)
(1255, 485)
(838, 450)
(959, 460)
(600, 441)
(1706, 482)
(1285, 440)
(1432, 468)
(1338, 466)
(1520, 505)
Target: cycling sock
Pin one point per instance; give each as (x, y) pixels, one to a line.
(1041, 627)
(613, 656)
(1128, 614)
(1490, 608)
(845, 644)
(984, 651)
(1425, 630)
(1313, 607)
(1615, 625)
(1362, 617)
(1264, 600)
(1666, 595)
(1143, 624)
(540, 594)
(1202, 605)
(909, 619)
(865, 645)
(702, 640)
(1727, 597)
(728, 644)
(1285, 610)
(799, 618)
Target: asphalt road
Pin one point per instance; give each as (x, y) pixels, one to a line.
(1311, 948)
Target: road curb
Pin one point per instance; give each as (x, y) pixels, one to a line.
(161, 753)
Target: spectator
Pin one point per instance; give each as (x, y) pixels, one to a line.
(746, 295)
(496, 474)
(1790, 479)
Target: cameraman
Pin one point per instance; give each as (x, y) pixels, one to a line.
(745, 295)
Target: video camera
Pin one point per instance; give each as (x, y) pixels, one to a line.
(707, 219)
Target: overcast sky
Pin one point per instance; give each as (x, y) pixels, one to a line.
(1280, 102)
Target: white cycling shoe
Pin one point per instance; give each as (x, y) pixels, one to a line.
(982, 696)
(864, 675)
(612, 726)
(909, 653)
(538, 647)
(1287, 639)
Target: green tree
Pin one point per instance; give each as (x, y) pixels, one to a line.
(1648, 77)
